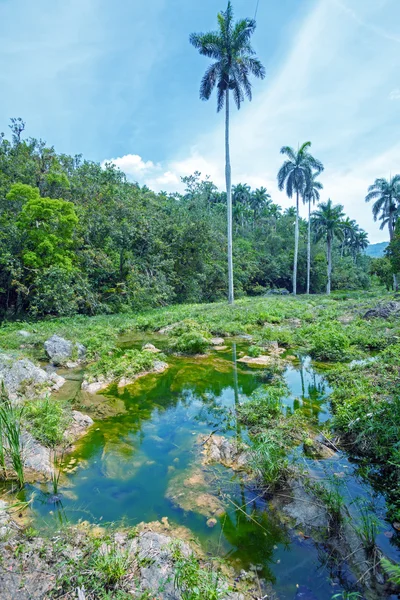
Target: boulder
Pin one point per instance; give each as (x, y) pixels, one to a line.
(151, 348)
(60, 350)
(318, 448)
(79, 426)
(383, 310)
(36, 456)
(218, 449)
(217, 341)
(5, 521)
(24, 333)
(23, 378)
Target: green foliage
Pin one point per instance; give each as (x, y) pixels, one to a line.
(110, 564)
(269, 461)
(115, 365)
(196, 582)
(47, 419)
(329, 493)
(189, 337)
(265, 404)
(392, 570)
(329, 342)
(10, 425)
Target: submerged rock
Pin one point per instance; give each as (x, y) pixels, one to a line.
(383, 310)
(218, 449)
(304, 593)
(23, 378)
(302, 507)
(59, 350)
(190, 491)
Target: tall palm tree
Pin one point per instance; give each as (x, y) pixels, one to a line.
(311, 195)
(259, 199)
(327, 222)
(349, 231)
(295, 173)
(386, 206)
(234, 62)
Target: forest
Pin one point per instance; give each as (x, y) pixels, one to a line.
(79, 238)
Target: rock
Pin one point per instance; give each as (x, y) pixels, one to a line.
(217, 341)
(303, 508)
(36, 457)
(5, 521)
(151, 348)
(211, 522)
(23, 378)
(316, 448)
(79, 426)
(24, 333)
(60, 350)
(218, 449)
(383, 310)
(190, 492)
(256, 360)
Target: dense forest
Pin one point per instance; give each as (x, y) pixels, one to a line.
(77, 237)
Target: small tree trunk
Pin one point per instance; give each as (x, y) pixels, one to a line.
(228, 200)
(309, 247)
(296, 245)
(391, 234)
(329, 260)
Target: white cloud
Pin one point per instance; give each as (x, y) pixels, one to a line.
(395, 94)
(133, 165)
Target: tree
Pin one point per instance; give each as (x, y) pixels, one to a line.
(48, 227)
(386, 206)
(327, 222)
(234, 58)
(295, 173)
(259, 200)
(311, 195)
(393, 250)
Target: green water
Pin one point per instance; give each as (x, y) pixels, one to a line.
(134, 465)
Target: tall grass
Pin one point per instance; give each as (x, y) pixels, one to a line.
(10, 420)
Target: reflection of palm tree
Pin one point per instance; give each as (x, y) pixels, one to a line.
(253, 537)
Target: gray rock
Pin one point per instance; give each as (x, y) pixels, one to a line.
(383, 310)
(23, 378)
(24, 333)
(36, 456)
(304, 509)
(60, 350)
(5, 521)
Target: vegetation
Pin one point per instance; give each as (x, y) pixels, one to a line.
(10, 438)
(231, 50)
(47, 419)
(196, 582)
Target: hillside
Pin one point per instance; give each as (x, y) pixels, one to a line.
(376, 250)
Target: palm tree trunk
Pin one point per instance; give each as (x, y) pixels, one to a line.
(391, 234)
(309, 247)
(329, 257)
(228, 200)
(296, 245)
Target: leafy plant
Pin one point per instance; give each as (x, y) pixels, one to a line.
(392, 570)
(196, 582)
(10, 419)
(47, 419)
(111, 564)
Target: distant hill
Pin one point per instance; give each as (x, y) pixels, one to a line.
(376, 250)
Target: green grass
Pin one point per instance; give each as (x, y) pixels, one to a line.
(117, 364)
(47, 419)
(195, 581)
(10, 424)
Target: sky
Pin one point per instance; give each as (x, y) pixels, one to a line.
(118, 81)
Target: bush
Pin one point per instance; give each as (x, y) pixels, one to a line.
(116, 364)
(189, 337)
(47, 419)
(265, 404)
(330, 343)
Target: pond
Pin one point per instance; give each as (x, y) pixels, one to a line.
(139, 464)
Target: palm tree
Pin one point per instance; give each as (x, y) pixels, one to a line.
(234, 58)
(311, 195)
(327, 222)
(386, 206)
(259, 199)
(349, 230)
(241, 194)
(296, 172)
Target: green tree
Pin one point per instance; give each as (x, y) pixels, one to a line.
(327, 222)
(386, 194)
(234, 58)
(393, 250)
(48, 227)
(295, 174)
(311, 195)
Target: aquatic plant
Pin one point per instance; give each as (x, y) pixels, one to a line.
(368, 526)
(268, 459)
(329, 493)
(392, 570)
(264, 404)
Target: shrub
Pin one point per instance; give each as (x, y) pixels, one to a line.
(47, 419)
(116, 364)
(264, 404)
(329, 343)
(189, 337)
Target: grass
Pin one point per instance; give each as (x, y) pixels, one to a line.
(10, 424)
(195, 581)
(117, 364)
(333, 500)
(47, 419)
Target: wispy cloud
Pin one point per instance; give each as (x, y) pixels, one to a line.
(395, 94)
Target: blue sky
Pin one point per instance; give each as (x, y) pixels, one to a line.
(119, 80)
